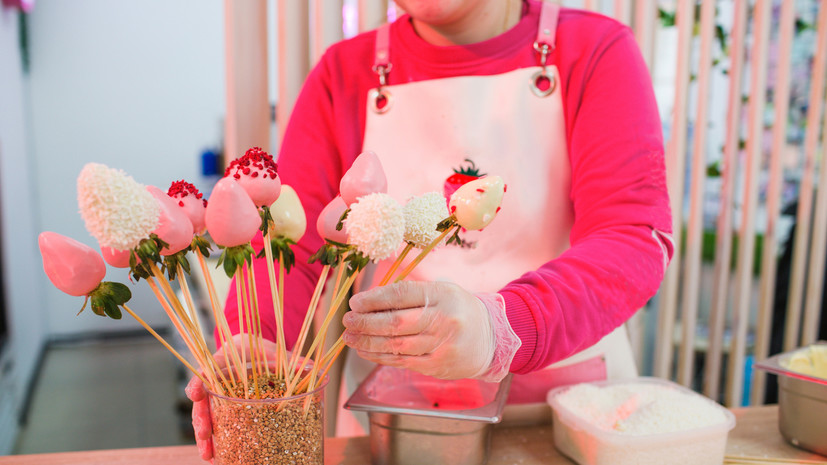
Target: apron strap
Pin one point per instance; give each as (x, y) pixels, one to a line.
(546, 32)
(380, 98)
(543, 83)
(381, 58)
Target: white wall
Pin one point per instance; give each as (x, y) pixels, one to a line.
(23, 281)
(133, 84)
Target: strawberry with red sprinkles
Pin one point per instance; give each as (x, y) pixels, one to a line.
(191, 201)
(257, 173)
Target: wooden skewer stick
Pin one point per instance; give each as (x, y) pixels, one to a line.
(281, 346)
(425, 252)
(396, 264)
(224, 333)
(195, 336)
(327, 362)
(339, 346)
(736, 459)
(257, 317)
(318, 356)
(182, 281)
(165, 344)
(252, 337)
(185, 289)
(308, 317)
(241, 330)
(174, 319)
(337, 301)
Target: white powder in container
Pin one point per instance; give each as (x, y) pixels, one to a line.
(646, 421)
(640, 408)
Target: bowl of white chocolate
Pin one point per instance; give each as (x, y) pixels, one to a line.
(802, 395)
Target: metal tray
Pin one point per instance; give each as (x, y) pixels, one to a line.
(404, 392)
(802, 403)
(417, 419)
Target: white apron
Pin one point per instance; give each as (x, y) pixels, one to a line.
(505, 127)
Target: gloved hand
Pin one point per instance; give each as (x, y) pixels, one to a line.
(201, 420)
(435, 328)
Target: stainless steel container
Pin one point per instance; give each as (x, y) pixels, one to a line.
(802, 404)
(416, 419)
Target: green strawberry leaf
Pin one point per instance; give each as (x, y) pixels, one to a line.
(119, 293)
(341, 223)
(330, 254)
(355, 262)
(266, 219)
(107, 298)
(148, 251)
(446, 224)
(233, 257)
(201, 244)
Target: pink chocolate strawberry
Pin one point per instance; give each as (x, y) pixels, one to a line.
(191, 201)
(257, 173)
(462, 175)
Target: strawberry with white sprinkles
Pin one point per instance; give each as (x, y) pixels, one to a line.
(117, 210)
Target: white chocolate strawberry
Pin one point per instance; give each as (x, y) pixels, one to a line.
(476, 203)
(191, 201)
(117, 210)
(174, 227)
(232, 218)
(257, 173)
(73, 267)
(365, 176)
(115, 257)
(288, 215)
(329, 218)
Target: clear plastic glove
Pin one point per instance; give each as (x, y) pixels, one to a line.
(201, 420)
(435, 328)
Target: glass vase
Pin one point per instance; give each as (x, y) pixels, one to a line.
(283, 430)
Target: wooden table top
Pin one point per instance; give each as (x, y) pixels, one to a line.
(755, 435)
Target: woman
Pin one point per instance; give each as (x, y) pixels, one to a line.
(557, 102)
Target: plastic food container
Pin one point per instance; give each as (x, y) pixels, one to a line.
(587, 444)
(416, 419)
(802, 403)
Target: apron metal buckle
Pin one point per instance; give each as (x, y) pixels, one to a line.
(380, 100)
(542, 84)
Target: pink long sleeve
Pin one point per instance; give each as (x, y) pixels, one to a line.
(622, 220)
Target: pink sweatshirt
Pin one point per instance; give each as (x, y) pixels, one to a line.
(620, 239)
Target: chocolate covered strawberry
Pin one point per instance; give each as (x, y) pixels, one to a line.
(257, 173)
(191, 201)
(462, 175)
